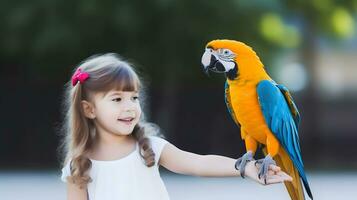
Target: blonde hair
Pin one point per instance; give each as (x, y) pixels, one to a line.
(107, 72)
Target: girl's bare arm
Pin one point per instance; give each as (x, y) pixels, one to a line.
(184, 162)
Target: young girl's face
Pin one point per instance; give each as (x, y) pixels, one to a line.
(116, 112)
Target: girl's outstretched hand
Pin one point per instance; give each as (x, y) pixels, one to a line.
(275, 175)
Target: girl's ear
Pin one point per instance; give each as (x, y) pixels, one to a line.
(88, 109)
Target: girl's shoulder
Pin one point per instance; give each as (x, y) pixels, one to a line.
(157, 139)
(157, 143)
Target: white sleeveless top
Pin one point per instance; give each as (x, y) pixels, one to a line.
(127, 178)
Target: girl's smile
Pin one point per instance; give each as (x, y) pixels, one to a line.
(127, 120)
(116, 112)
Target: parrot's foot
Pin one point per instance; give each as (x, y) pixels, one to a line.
(265, 163)
(242, 162)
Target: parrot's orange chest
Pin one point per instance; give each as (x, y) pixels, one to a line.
(247, 110)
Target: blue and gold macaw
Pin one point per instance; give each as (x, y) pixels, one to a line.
(264, 110)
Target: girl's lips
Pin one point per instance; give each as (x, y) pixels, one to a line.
(127, 121)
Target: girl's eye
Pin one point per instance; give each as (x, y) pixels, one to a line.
(117, 99)
(135, 98)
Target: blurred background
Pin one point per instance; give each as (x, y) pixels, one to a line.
(310, 46)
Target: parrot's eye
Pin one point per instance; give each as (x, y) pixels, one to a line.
(226, 52)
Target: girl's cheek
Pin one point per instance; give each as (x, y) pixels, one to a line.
(139, 113)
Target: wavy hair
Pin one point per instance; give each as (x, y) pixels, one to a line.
(107, 72)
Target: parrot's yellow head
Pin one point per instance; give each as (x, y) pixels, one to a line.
(232, 58)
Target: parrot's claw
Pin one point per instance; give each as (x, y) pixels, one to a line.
(242, 162)
(265, 163)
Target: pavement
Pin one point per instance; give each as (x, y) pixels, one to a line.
(44, 185)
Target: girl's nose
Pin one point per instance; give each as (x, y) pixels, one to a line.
(129, 105)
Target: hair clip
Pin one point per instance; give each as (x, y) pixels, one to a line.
(79, 76)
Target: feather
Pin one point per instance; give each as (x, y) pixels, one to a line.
(279, 118)
(227, 99)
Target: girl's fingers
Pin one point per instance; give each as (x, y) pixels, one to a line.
(271, 172)
(274, 175)
(277, 179)
(274, 168)
(274, 179)
(285, 176)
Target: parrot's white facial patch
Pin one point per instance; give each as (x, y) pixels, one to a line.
(228, 65)
(224, 56)
(206, 57)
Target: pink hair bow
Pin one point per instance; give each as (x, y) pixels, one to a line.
(79, 76)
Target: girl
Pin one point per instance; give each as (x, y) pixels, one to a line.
(112, 153)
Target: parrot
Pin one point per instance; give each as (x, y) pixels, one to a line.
(264, 110)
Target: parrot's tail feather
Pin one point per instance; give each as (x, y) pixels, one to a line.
(295, 187)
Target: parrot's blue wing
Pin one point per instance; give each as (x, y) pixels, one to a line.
(293, 108)
(227, 99)
(280, 120)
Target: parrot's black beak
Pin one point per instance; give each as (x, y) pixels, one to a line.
(215, 65)
(211, 63)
